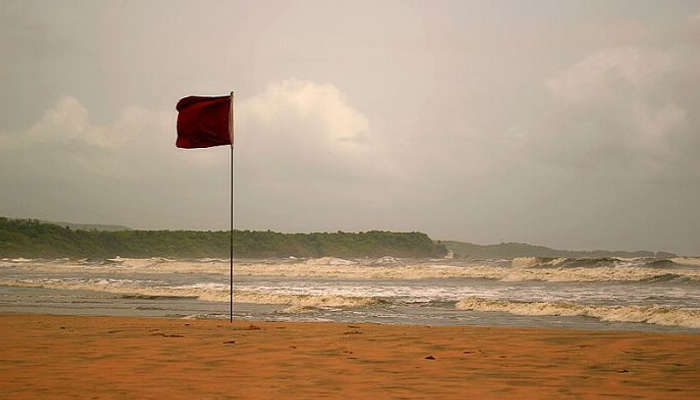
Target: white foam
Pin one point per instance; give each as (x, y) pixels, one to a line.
(203, 291)
(328, 261)
(684, 317)
(524, 269)
(695, 261)
(525, 262)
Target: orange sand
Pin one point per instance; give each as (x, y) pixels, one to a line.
(56, 357)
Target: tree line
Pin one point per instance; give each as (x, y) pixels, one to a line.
(31, 238)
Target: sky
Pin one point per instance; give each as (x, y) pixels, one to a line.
(568, 124)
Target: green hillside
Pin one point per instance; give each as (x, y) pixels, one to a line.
(89, 227)
(510, 250)
(32, 238)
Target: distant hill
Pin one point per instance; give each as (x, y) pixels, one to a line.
(510, 250)
(89, 227)
(32, 239)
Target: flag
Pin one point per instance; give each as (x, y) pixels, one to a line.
(204, 122)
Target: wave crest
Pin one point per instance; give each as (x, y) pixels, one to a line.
(684, 317)
(521, 269)
(207, 291)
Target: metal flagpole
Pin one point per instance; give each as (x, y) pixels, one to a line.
(230, 129)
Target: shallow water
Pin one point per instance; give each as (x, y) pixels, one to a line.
(599, 294)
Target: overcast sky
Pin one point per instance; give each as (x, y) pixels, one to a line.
(567, 124)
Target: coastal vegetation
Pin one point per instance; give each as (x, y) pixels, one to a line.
(32, 238)
(510, 250)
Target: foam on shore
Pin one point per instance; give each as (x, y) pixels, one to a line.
(521, 269)
(685, 317)
(207, 292)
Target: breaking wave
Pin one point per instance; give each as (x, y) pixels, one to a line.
(694, 261)
(597, 262)
(216, 292)
(622, 272)
(652, 314)
(388, 268)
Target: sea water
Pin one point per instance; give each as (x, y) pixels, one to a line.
(591, 293)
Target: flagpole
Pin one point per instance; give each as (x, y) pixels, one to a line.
(231, 213)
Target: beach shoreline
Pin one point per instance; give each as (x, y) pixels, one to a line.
(53, 356)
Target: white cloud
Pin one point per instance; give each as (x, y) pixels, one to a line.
(294, 135)
(65, 166)
(302, 148)
(621, 112)
(301, 128)
(310, 103)
(67, 120)
(607, 72)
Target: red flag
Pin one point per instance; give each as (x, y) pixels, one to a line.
(204, 122)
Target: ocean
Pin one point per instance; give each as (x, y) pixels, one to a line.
(643, 294)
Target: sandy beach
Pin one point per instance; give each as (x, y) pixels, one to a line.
(60, 357)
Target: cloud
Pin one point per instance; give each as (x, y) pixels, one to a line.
(306, 159)
(63, 166)
(573, 135)
(695, 19)
(65, 139)
(605, 73)
(301, 128)
(309, 102)
(621, 112)
(613, 155)
(297, 142)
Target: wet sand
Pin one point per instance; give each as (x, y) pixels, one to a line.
(57, 357)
